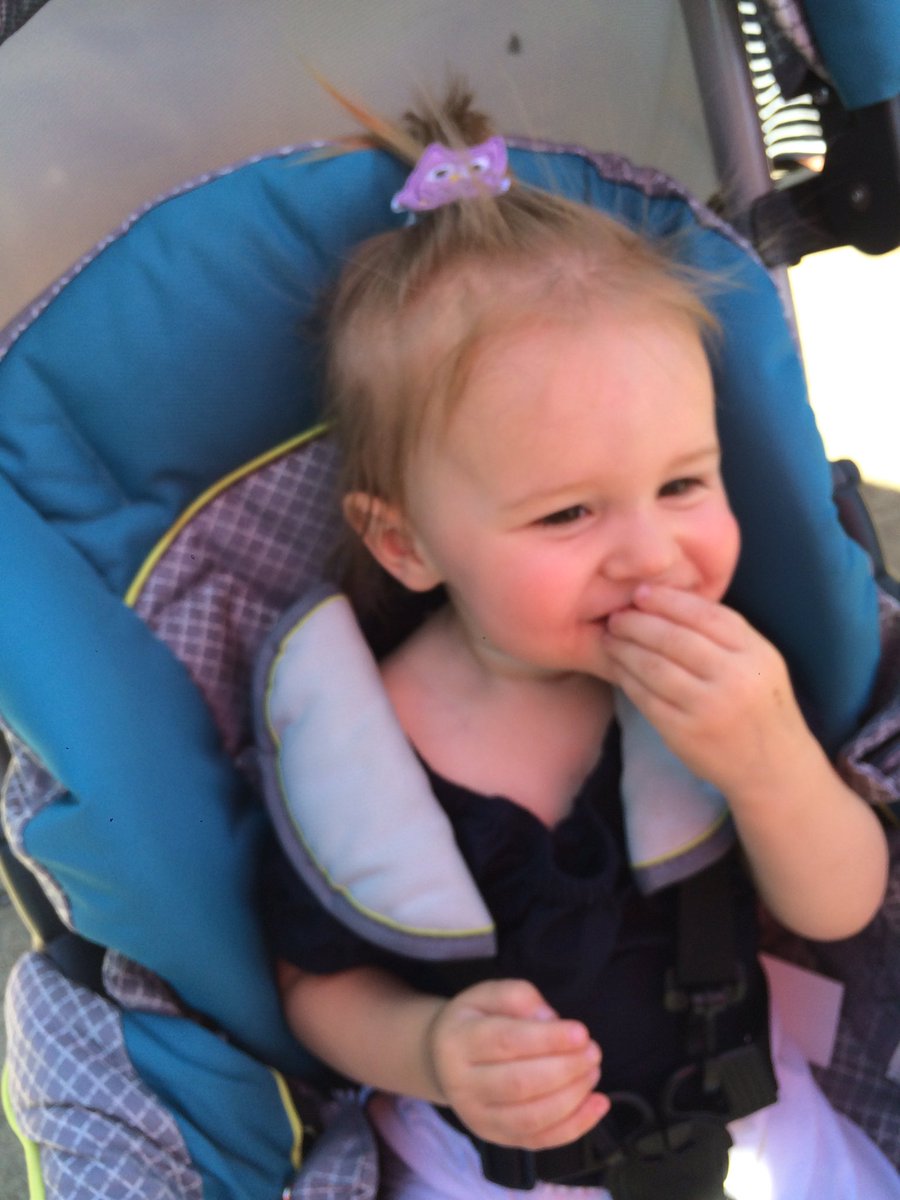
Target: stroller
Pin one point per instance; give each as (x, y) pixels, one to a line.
(167, 493)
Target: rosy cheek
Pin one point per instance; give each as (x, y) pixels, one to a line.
(729, 549)
(717, 547)
(735, 540)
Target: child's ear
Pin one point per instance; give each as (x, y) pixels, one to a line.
(391, 540)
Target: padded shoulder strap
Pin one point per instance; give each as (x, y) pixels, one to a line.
(349, 799)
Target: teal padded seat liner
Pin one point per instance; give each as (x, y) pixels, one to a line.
(859, 41)
(174, 355)
(227, 1106)
(178, 353)
(155, 843)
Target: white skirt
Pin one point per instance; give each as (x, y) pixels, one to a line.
(797, 1149)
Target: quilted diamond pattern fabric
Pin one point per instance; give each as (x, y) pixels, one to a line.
(103, 1134)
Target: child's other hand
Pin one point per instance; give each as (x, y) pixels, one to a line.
(513, 1071)
(717, 691)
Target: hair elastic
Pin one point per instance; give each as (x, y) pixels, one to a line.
(444, 175)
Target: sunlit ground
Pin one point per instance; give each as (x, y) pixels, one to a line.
(847, 312)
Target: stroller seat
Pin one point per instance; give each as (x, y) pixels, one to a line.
(166, 490)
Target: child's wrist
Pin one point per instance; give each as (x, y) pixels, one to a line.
(429, 1059)
(790, 774)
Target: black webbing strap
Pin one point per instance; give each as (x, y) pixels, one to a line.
(681, 1153)
(707, 957)
(707, 977)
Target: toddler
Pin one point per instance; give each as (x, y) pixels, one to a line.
(521, 393)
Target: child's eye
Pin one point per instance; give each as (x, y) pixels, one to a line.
(680, 487)
(565, 516)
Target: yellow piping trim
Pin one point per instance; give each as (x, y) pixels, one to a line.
(37, 941)
(686, 848)
(36, 1190)
(296, 1124)
(211, 493)
(379, 918)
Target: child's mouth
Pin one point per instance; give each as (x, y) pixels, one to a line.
(603, 622)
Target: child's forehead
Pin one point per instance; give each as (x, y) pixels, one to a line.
(479, 328)
(573, 346)
(555, 389)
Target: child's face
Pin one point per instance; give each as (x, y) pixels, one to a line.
(581, 462)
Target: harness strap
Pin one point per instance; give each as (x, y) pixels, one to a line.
(677, 1147)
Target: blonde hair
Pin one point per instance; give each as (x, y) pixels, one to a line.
(415, 307)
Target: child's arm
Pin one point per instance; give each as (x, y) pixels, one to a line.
(514, 1072)
(720, 696)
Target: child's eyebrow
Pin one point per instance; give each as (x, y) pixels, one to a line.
(691, 456)
(568, 489)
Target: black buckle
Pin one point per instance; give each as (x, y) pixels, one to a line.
(687, 1160)
(733, 1084)
(583, 1162)
(704, 1004)
(631, 1153)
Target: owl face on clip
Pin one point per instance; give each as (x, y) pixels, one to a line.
(443, 175)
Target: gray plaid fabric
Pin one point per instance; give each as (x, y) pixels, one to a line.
(343, 1162)
(240, 561)
(28, 788)
(863, 1080)
(14, 14)
(871, 762)
(133, 986)
(102, 1134)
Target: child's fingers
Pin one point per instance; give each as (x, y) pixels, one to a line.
(651, 644)
(592, 1109)
(505, 1039)
(526, 1080)
(507, 997)
(508, 1019)
(714, 620)
(552, 1120)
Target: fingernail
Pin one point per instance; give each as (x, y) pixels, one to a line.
(544, 1013)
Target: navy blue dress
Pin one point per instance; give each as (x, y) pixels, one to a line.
(569, 919)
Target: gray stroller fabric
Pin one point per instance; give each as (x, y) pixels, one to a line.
(102, 1133)
(863, 1080)
(14, 13)
(343, 1163)
(240, 561)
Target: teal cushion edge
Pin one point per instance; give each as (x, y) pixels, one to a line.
(227, 1106)
(859, 41)
(154, 372)
(155, 842)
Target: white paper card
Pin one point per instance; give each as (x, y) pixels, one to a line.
(808, 1007)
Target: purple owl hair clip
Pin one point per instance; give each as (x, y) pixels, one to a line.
(444, 175)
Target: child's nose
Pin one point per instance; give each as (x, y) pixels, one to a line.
(642, 550)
